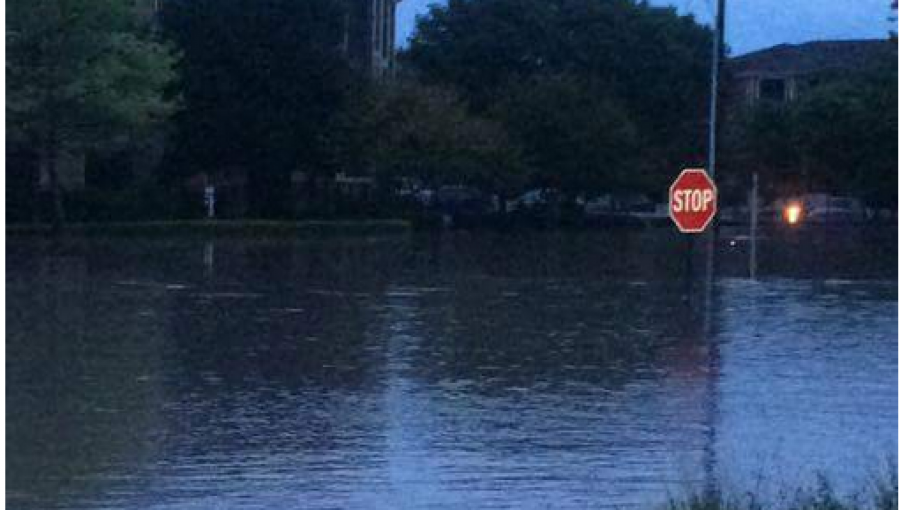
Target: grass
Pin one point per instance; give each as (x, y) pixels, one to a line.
(882, 495)
(252, 228)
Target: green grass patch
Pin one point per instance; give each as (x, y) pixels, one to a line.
(881, 494)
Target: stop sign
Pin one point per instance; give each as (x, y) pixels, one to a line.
(692, 200)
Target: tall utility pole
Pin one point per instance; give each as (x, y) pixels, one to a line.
(718, 50)
(709, 462)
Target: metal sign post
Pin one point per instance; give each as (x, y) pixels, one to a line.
(209, 198)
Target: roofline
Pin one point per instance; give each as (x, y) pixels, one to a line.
(806, 43)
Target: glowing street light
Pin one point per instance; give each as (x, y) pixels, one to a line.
(792, 213)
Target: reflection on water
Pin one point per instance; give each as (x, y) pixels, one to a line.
(552, 370)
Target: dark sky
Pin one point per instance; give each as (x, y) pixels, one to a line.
(755, 24)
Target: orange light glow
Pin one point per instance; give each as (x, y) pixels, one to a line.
(792, 213)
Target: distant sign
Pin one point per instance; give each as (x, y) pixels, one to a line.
(209, 198)
(692, 201)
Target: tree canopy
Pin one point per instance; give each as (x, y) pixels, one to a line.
(839, 136)
(81, 73)
(846, 135)
(260, 80)
(427, 133)
(640, 70)
(576, 138)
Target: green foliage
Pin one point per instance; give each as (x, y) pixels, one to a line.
(427, 133)
(640, 70)
(822, 496)
(761, 139)
(885, 497)
(714, 501)
(846, 132)
(578, 137)
(261, 79)
(839, 136)
(82, 73)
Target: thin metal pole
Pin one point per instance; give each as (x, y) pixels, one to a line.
(754, 223)
(712, 490)
(718, 48)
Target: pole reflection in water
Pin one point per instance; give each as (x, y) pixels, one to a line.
(209, 256)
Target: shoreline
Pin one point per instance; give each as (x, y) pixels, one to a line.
(259, 228)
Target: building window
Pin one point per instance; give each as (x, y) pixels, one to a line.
(772, 90)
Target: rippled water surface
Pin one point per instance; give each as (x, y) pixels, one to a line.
(462, 371)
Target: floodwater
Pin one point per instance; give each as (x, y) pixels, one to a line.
(524, 371)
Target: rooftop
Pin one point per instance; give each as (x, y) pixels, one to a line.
(812, 57)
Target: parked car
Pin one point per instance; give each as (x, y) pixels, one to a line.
(540, 207)
(835, 210)
(623, 209)
(834, 216)
(815, 209)
(535, 199)
(599, 206)
(462, 205)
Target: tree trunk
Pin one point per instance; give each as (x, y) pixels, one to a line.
(48, 163)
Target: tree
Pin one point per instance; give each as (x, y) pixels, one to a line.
(845, 132)
(760, 138)
(261, 80)
(576, 136)
(838, 136)
(409, 131)
(893, 19)
(81, 73)
(647, 65)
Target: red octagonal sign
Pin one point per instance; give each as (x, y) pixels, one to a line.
(692, 201)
